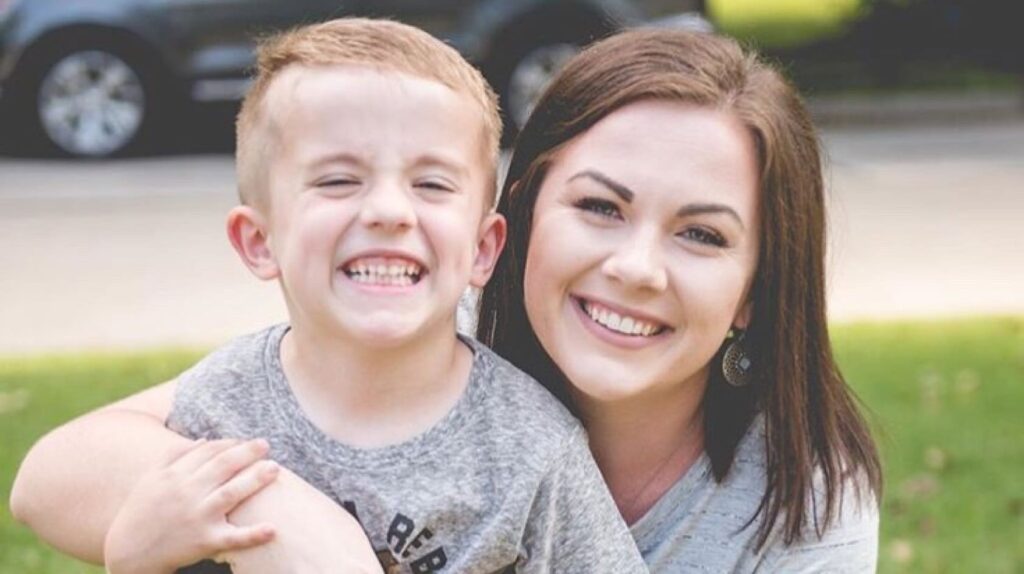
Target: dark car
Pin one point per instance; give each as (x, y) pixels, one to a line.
(95, 77)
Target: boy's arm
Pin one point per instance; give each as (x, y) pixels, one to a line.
(574, 525)
(73, 480)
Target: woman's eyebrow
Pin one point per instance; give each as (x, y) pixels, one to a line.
(703, 208)
(617, 188)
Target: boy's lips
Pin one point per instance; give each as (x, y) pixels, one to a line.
(384, 268)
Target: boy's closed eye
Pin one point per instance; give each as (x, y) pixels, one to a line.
(436, 184)
(336, 182)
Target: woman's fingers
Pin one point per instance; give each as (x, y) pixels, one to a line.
(243, 485)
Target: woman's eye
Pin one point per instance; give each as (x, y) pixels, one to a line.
(704, 235)
(601, 207)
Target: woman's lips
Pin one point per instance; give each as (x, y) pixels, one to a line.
(617, 325)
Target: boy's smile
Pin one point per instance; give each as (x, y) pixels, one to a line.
(384, 269)
(375, 219)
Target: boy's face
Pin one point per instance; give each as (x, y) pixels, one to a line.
(375, 221)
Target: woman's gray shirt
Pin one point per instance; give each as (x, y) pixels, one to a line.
(698, 525)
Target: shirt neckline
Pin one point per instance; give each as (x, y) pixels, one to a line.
(414, 448)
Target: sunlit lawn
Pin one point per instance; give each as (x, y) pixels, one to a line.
(946, 399)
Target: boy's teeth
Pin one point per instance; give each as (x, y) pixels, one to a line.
(620, 324)
(384, 271)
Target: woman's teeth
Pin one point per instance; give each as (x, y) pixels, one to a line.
(391, 272)
(623, 324)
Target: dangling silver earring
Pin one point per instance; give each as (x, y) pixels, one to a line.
(736, 365)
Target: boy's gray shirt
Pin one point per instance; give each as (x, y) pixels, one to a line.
(505, 482)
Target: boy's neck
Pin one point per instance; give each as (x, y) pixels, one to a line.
(369, 396)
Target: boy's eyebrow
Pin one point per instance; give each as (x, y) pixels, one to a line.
(434, 159)
(617, 188)
(339, 157)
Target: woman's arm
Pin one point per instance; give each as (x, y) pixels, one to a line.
(74, 479)
(314, 535)
(848, 546)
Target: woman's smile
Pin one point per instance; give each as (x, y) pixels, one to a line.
(618, 326)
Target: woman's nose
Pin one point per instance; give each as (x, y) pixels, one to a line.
(638, 263)
(388, 206)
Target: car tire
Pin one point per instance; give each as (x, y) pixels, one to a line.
(531, 75)
(94, 100)
(523, 70)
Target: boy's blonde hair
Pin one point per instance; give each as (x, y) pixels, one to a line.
(381, 44)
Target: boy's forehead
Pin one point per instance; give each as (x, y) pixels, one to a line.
(302, 97)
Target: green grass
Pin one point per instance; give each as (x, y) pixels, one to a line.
(945, 398)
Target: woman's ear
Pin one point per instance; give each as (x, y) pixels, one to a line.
(490, 242)
(249, 235)
(743, 315)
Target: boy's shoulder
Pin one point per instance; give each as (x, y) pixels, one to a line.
(516, 403)
(240, 358)
(231, 378)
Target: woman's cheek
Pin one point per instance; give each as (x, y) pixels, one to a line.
(711, 289)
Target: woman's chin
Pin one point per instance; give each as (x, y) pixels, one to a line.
(605, 385)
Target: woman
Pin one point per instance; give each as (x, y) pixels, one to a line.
(667, 191)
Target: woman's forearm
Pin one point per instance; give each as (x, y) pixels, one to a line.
(73, 481)
(314, 534)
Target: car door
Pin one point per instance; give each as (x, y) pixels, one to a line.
(217, 37)
(442, 18)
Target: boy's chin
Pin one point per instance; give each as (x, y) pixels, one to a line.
(389, 332)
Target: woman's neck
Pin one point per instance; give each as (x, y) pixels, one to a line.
(644, 445)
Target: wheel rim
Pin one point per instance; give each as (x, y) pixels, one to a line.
(91, 103)
(531, 77)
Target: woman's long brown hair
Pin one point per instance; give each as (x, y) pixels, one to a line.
(812, 422)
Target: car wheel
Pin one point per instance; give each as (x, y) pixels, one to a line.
(531, 75)
(88, 102)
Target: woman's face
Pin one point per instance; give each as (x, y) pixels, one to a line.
(643, 249)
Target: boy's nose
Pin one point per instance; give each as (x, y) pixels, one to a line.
(638, 263)
(388, 206)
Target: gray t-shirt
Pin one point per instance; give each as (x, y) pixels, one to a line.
(505, 482)
(698, 525)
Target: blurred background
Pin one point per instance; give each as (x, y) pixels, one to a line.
(116, 135)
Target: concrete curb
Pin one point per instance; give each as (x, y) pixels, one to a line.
(910, 108)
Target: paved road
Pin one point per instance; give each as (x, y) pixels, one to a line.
(128, 254)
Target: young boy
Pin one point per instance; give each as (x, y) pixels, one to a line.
(366, 167)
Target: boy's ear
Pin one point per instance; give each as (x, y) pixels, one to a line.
(247, 230)
(493, 230)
